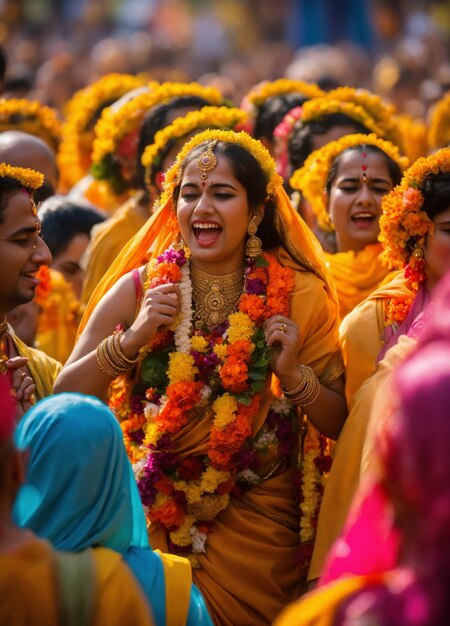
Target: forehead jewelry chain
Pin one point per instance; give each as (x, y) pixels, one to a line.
(207, 161)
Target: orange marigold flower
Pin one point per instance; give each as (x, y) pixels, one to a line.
(234, 375)
(253, 306)
(242, 348)
(165, 485)
(170, 514)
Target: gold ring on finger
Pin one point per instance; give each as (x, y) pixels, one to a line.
(282, 328)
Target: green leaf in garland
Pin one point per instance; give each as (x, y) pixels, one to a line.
(260, 261)
(154, 369)
(258, 386)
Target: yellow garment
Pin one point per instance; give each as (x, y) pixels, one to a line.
(43, 369)
(320, 607)
(362, 333)
(251, 569)
(178, 582)
(58, 319)
(107, 240)
(356, 275)
(98, 193)
(352, 453)
(28, 589)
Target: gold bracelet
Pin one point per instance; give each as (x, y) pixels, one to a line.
(307, 391)
(117, 354)
(110, 359)
(118, 345)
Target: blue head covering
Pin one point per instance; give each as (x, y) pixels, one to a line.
(80, 490)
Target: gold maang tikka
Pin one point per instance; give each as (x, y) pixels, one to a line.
(207, 161)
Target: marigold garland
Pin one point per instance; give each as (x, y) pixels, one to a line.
(30, 179)
(253, 146)
(207, 117)
(312, 177)
(226, 368)
(74, 156)
(439, 126)
(262, 92)
(117, 130)
(30, 116)
(404, 227)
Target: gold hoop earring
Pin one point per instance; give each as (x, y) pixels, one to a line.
(253, 247)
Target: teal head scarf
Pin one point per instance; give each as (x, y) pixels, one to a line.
(80, 490)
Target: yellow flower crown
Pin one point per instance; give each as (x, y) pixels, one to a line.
(414, 133)
(113, 126)
(255, 147)
(311, 179)
(262, 92)
(30, 116)
(76, 142)
(215, 117)
(439, 127)
(30, 179)
(403, 221)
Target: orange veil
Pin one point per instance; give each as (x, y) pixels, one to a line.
(162, 229)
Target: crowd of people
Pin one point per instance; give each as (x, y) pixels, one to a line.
(224, 356)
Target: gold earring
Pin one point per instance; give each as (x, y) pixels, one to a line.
(253, 247)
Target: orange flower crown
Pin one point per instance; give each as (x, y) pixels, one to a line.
(311, 179)
(115, 129)
(439, 127)
(404, 225)
(74, 157)
(359, 104)
(30, 179)
(30, 116)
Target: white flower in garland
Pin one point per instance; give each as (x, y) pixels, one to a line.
(183, 329)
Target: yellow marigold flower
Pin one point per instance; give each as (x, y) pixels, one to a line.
(262, 92)
(24, 176)
(312, 177)
(151, 434)
(225, 408)
(199, 343)
(212, 478)
(439, 127)
(241, 327)
(181, 368)
(181, 536)
(193, 493)
(221, 350)
(30, 116)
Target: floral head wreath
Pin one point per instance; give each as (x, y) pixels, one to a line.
(30, 179)
(415, 136)
(255, 147)
(74, 157)
(212, 117)
(30, 116)
(116, 126)
(404, 225)
(439, 127)
(282, 133)
(311, 179)
(260, 93)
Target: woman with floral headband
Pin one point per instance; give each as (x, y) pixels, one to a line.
(225, 343)
(415, 231)
(344, 183)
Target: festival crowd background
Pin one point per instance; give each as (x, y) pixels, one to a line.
(399, 50)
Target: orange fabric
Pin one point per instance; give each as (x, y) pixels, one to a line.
(319, 607)
(356, 275)
(28, 589)
(108, 239)
(250, 570)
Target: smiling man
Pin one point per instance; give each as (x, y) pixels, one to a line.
(22, 252)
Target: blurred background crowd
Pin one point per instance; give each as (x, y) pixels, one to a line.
(400, 50)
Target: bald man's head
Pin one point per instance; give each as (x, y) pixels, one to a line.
(24, 150)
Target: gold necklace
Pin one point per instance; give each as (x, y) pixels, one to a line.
(3, 344)
(215, 297)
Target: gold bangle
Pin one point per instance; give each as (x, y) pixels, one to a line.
(119, 350)
(307, 391)
(110, 359)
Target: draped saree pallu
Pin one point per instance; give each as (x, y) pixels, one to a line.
(215, 446)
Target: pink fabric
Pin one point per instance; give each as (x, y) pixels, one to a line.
(369, 543)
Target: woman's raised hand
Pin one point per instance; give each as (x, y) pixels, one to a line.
(159, 309)
(282, 337)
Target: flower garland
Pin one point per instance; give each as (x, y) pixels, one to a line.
(253, 146)
(30, 116)
(281, 135)
(225, 368)
(208, 116)
(117, 130)
(262, 92)
(404, 227)
(30, 179)
(74, 156)
(439, 133)
(312, 177)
